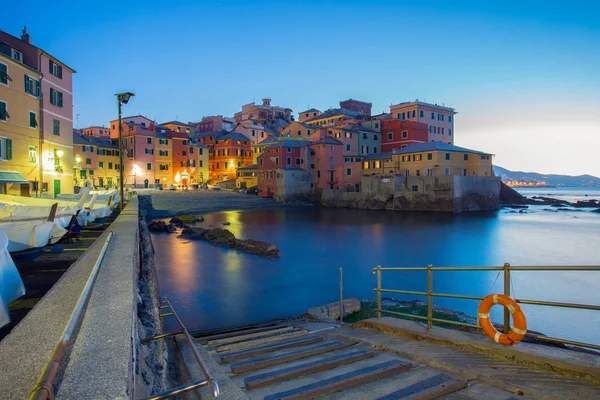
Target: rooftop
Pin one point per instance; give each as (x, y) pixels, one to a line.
(233, 136)
(334, 112)
(378, 156)
(433, 146)
(422, 103)
(175, 123)
(310, 110)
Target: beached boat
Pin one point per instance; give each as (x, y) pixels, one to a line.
(11, 285)
(28, 236)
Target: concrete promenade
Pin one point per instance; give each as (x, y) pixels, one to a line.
(101, 361)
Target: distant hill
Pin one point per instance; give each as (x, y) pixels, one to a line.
(552, 180)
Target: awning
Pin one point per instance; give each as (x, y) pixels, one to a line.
(12, 177)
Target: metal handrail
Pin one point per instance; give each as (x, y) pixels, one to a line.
(43, 387)
(193, 385)
(506, 269)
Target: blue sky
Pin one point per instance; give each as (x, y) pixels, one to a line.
(523, 76)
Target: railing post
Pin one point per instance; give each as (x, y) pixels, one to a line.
(379, 292)
(507, 293)
(341, 299)
(429, 296)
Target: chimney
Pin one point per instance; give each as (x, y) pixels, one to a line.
(25, 35)
(266, 102)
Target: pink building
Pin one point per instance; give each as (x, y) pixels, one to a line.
(327, 163)
(98, 131)
(54, 86)
(138, 150)
(440, 119)
(214, 123)
(143, 122)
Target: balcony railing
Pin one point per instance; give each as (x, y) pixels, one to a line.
(506, 270)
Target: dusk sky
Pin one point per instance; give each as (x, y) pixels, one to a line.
(523, 76)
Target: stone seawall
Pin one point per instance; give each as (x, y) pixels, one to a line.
(105, 358)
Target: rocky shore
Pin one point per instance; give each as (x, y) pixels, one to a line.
(510, 198)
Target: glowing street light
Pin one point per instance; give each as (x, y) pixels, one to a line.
(136, 171)
(122, 98)
(60, 153)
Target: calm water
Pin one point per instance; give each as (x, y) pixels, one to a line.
(215, 287)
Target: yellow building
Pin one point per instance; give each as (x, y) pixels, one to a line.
(178, 126)
(430, 159)
(198, 158)
(441, 159)
(247, 177)
(19, 127)
(95, 161)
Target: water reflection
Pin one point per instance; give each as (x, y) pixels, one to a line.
(217, 287)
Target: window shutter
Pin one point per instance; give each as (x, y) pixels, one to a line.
(50, 66)
(60, 71)
(60, 99)
(38, 89)
(26, 83)
(9, 149)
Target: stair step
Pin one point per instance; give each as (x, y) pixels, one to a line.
(259, 341)
(248, 336)
(264, 362)
(344, 381)
(236, 332)
(428, 389)
(269, 378)
(242, 354)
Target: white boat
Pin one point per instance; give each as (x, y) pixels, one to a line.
(11, 285)
(103, 196)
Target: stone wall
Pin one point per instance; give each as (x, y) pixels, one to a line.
(293, 185)
(476, 193)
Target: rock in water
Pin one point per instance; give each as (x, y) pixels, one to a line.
(161, 226)
(226, 223)
(190, 219)
(224, 238)
(176, 221)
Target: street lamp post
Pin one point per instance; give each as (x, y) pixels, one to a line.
(122, 98)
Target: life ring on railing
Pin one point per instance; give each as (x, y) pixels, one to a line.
(519, 329)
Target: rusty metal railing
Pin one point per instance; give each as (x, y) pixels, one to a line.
(165, 303)
(506, 270)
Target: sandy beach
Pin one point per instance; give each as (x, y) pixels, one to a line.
(168, 203)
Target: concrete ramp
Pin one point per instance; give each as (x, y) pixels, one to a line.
(306, 360)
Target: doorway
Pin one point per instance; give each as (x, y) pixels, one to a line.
(56, 187)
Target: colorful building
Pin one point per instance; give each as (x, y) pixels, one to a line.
(397, 134)
(180, 127)
(230, 151)
(20, 142)
(357, 106)
(308, 114)
(214, 123)
(98, 131)
(327, 163)
(49, 81)
(440, 119)
(95, 161)
(247, 177)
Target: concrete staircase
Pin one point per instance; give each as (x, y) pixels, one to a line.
(305, 360)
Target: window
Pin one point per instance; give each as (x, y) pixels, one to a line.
(17, 55)
(260, 162)
(430, 156)
(449, 132)
(55, 69)
(404, 134)
(435, 129)
(432, 115)
(376, 137)
(5, 149)
(149, 166)
(100, 164)
(56, 127)
(418, 172)
(318, 174)
(91, 172)
(447, 156)
(348, 171)
(288, 161)
(149, 140)
(466, 157)
(32, 120)
(32, 86)
(4, 78)
(446, 171)
(299, 161)
(56, 98)
(421, 114)
(415, 188)
(276, 160)
(289, 150)
(442, 130)
(374, 150)
(149, 151)
(390, 136)
(110, 165)
(299, 133)
(163, 153)
(3, 111)
(33, 154)
(184, 142)
(200, 163)
(184, 153)
(347, 147)
(449, 118)
(88, 161)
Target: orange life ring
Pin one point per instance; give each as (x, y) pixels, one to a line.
(519, 329)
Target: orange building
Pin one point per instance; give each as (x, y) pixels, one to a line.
(229, 152)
